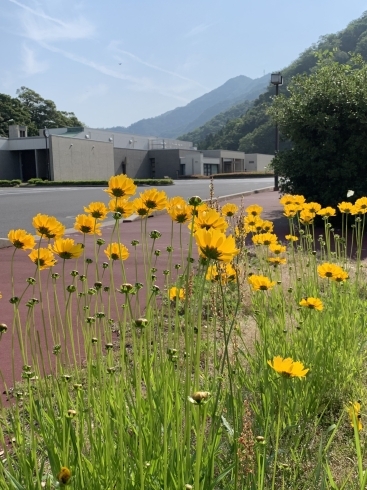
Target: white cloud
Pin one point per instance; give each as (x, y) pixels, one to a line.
(39, 26)
(137, 84)
(93, 91)
(197, 30)
(153, 66)
(30, 65)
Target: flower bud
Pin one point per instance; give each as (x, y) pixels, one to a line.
(155, 234)
(195, 201)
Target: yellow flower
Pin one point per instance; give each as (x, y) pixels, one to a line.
(277, 249)
(345, 207)
(121, 205)
(97, 210)
(87, 225)
(290, 210)
(288, 368)
(355, 414)
(21, 239)
(229, 210)
(121, 186)
(64, 475)
(176, 292)
(43, 258)
(252, 223)
(209, 219)
(361, 205)
(312, 207)
(140, 207)
(286, 200)
(117, 251)
(267, 226)
(328, 211)
(175, 201)
(291, 238)
(264, 239)
(312, 303)
(181, 213)
(66, 248)
(224, 273)
(298, 200)
(254, 210)
(332, 271)
(215, 245)
(275, 261)
(48, 226)
(154, 199)
(306, 217)
(260, 283)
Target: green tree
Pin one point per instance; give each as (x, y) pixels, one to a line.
(325, 117)
(44, 113)
(12, 111)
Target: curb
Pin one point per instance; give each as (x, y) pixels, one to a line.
(5, 243)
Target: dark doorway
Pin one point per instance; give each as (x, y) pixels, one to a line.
(28, 163)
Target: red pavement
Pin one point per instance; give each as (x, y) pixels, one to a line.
(10, 356)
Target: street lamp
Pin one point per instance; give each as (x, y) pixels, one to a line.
(276, 79)
(46, 134)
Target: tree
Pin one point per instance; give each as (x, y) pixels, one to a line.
(325, 117)
(11, 112)
(44, 113)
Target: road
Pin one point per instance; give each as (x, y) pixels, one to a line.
(19, 205)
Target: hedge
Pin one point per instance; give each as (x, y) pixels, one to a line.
(243, 175)
(96, 182)
(10, 183)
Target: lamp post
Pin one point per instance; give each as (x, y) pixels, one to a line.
(276, 79)
(46, 134)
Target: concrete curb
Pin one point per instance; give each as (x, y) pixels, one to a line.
(228, 197)
(4, 243)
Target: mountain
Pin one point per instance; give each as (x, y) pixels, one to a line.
(253, 132)
(184, 119)
(202, 135)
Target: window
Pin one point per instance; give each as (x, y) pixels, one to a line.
(22, 133)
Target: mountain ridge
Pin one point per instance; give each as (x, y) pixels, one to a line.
(186, 118)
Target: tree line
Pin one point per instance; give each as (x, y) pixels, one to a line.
(30, 109)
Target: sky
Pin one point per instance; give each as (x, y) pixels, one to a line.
(115, 62)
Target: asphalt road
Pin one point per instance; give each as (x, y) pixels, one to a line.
(19, 205)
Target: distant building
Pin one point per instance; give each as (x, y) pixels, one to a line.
(95, 154)
(257, 162)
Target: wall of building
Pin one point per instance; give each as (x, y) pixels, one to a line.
(134, 162)
(123, 140)
(9, 162)
(256, 162)
(168, 162)
(76, 159)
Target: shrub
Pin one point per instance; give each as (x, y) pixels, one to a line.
(9, 183)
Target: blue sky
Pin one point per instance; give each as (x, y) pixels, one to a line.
(118, 61)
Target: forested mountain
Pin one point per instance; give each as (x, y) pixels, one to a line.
(254, 132)
(31, 109)
(214, 125)
(184, 119)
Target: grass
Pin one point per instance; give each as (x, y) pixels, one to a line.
(162, 392)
